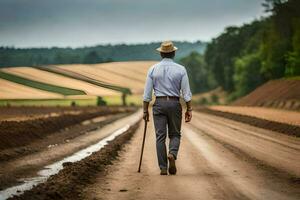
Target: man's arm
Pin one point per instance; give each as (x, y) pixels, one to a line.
(188, 112)
(145, 109)
(187, 96)
(147, 95)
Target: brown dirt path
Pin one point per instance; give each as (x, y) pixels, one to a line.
(219, 159)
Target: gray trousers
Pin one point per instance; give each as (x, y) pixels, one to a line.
(167, 116)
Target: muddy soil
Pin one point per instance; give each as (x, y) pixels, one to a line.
(20, 133)
(58, 146)
(70, 181)
(22, 113)
(64, 135)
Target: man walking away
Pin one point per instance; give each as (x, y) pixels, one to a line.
(168, 80)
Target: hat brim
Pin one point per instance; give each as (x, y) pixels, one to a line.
(163, 51)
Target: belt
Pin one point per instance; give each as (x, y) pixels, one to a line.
(168, 97)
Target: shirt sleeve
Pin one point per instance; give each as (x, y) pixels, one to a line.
(148, 87)
(185, 87)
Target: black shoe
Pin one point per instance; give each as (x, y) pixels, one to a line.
(172, 165)
(163, 172)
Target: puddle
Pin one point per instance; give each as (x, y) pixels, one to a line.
(54, 168)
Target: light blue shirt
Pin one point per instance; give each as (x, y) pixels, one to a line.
(167, 78)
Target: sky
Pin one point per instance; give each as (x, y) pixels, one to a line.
(78, 23)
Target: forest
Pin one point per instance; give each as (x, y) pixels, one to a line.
(242, 58)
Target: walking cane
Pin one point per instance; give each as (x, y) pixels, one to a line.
(142, 151)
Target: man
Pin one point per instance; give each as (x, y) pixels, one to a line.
(168, 80)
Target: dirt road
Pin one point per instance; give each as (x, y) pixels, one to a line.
(219, 159)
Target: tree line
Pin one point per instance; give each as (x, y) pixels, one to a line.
(242, 58)
(10, 56)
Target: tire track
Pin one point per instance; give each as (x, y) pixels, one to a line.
(283, 157)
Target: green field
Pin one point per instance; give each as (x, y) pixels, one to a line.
(47, 102)
(111, 101)
(40, 85)
(130, 100)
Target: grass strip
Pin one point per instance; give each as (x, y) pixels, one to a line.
(40, 85)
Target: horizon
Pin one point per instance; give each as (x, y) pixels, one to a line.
(104, 44)
(77, 24)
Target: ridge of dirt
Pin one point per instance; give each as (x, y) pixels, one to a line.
(280, 93)
(20, 133)
(70, 181)
(287, 129)
(22, 113)
(58, 146)
(56, 138)
(272, 114)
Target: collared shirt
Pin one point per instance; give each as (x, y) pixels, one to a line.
(167, 78)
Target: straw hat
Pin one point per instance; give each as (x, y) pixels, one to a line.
(167, 47)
